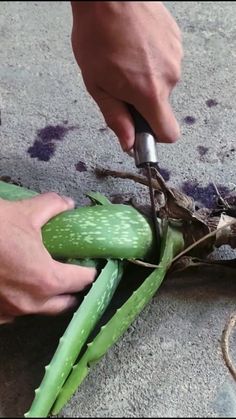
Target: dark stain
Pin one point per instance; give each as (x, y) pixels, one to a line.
(44, 145)
(189, 120)
(206, 195)
(52, 132)
(103, 129)
(42, 151)
(202, 150)
(81, 166)
(211, 102)
(164, 173)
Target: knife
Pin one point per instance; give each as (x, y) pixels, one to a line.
(145, 156)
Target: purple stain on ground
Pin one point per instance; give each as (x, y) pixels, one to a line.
(211, 102)
(41, 150)
(189, 120)
(44, 146)
(52, 132)
(223, 190)
(202, 150)
(164, 173)
(81, 166)
(206, 195)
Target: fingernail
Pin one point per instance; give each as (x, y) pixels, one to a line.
(69, 200)
(125, 146)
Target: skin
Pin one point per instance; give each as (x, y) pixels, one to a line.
(31, 281)
(128, 52)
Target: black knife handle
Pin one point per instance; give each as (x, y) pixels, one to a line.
(140, 124)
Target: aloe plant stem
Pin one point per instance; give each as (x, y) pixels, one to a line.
(78, 330)
(119, 323)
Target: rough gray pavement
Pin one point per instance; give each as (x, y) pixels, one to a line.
(169, 362)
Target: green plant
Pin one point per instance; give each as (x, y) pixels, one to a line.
(114, 235)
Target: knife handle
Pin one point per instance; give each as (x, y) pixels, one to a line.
(145, 144)
(140, 124)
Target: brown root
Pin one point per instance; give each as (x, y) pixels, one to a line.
(225, 344)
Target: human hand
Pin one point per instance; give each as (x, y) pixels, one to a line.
(129, 52)
(31, 282)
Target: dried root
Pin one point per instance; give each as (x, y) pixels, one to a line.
(225, 344)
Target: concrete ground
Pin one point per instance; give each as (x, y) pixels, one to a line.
(169, 362)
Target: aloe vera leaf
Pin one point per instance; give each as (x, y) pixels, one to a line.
(14, 193)
(88, 263)
(119, 323)
(112, 231)
(98, 198)
(76, 334)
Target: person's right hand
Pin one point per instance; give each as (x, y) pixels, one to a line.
(31, 282)
(129, 52)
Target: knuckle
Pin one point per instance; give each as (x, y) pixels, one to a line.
(45, 286)
(152, 90)
(175, 74)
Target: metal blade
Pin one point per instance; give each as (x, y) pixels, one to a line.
(154, 216)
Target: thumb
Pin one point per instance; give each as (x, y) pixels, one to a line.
(43, 207)
(117, 118)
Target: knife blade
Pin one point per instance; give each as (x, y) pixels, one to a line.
(145, 156)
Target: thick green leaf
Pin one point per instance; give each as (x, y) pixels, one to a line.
(124, 316)
(98, 198)
(76, 334)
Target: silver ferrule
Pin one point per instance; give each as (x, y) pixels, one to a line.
(144, 149)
